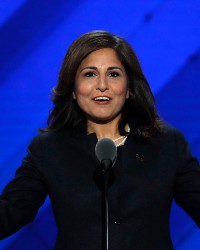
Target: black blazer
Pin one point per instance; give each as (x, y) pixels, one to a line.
(143, 182)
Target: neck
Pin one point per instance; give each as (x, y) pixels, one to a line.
(104, 130)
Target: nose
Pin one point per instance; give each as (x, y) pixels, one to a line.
(102, 83)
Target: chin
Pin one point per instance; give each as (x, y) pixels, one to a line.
(103, 120)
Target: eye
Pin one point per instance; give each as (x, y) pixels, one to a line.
(89, 74)
(114, 74)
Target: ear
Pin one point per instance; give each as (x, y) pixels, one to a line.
(73, 95)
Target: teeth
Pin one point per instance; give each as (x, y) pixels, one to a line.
(102, 98)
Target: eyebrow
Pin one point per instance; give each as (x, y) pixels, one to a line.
(95, 68)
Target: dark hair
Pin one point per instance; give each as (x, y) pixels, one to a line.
(139, 109)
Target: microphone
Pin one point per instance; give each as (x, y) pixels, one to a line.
(106, 153)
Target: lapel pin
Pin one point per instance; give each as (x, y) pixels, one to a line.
(139, 157)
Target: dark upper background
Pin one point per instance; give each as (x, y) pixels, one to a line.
(34, 36)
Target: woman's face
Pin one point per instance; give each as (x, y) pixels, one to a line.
(101, 86)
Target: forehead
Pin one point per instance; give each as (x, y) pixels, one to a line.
(102, 56)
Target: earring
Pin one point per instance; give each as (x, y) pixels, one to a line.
(127, 95)
(73, 95)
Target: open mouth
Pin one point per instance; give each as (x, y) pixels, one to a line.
(102, 99)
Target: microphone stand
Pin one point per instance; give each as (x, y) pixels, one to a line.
(106, 165)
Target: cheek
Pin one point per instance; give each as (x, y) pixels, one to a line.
(82, 90)
(121, 90)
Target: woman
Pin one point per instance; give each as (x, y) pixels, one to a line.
(102, 92)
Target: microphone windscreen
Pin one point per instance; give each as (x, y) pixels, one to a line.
(106, 150)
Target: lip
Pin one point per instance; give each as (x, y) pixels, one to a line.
(100, 97)
(101, 102)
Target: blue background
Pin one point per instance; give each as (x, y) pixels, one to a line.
(34, 36)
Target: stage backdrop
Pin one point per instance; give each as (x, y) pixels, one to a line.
(34, 36)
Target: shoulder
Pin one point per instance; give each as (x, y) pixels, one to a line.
(169, 138)
(173, 140)
(170, 132)
(51, 137)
